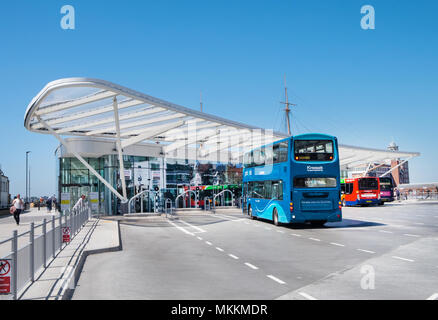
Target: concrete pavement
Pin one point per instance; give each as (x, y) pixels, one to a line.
(227, 256)
(57, 281)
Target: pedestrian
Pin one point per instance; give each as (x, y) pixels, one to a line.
(397, 192)
(54, 202)
(80, 203)
(17, 207)
(49, 204)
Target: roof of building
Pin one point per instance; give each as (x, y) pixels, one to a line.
(86, 107)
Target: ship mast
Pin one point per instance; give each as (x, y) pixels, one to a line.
(287, 109)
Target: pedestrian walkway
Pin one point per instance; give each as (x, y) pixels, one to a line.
(58, 280)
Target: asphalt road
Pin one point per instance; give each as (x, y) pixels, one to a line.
(384, 252)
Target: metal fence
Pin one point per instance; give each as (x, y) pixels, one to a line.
(419, 196)
(44, 242)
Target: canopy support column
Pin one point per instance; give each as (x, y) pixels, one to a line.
(119, 148)
(82, 160)
(392, 169)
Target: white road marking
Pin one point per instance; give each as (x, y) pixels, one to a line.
(192, 226)
(419, 223)
(295, 235)
(337, 244)
(246, 222)
(208, 242)
(307, 296)
(199, 238)
(419, 215)
(181, 228)
(251, 266)
(314, 239)
(267, 228)
(233, 256)
(410, 235)
(270, 276)
(230, 217)
(404, 259)
(385, 231)
(433, 297)
(220, 249)
(280, 231)
(367, 251)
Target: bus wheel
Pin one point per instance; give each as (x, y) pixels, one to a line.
(275, 216)
(318, 223)
(250, 213)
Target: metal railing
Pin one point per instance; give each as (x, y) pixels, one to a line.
(168, 207)
(419, 196)
(184, 195)
(222, 198)
(29, 257)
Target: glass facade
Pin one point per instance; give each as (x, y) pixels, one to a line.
(169, 175)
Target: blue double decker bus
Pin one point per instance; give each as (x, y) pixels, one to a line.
(294, 180)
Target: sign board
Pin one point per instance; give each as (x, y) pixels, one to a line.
(127, 173)
(141, 176)
(5, 276)
(65, 201)
(94, 200)
(65, 234)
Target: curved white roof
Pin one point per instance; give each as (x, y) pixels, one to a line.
(88, 107)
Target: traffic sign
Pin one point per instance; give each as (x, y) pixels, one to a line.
(65, 234)
(5, 276)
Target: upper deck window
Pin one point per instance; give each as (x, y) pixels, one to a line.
(267, 155)
(386, 184)
(368, 184)
(313, 150)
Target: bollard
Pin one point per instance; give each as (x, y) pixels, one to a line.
(45, 243)
(60, 230)
(14, 249)
(32, 252)
(53, 237)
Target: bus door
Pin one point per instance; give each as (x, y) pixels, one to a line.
(260, 201)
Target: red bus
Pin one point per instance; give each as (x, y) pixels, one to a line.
(360, 191)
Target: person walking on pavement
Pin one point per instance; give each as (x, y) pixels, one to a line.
(80, 203)
(54, 202)
(49, 205)
(19, 206)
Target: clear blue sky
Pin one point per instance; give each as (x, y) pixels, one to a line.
(365, 86)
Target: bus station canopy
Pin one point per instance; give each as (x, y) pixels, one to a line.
(97, 108)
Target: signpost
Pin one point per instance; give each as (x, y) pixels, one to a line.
(94, 200)
(65, 201)
(65, 234)
(5, 276)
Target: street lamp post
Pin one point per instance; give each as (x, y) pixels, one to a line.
(27, 176)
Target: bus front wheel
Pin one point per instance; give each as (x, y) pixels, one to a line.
(275, 217)
(250, 213)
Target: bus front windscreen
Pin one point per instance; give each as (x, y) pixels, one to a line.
(313, 150)
(368, 184)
